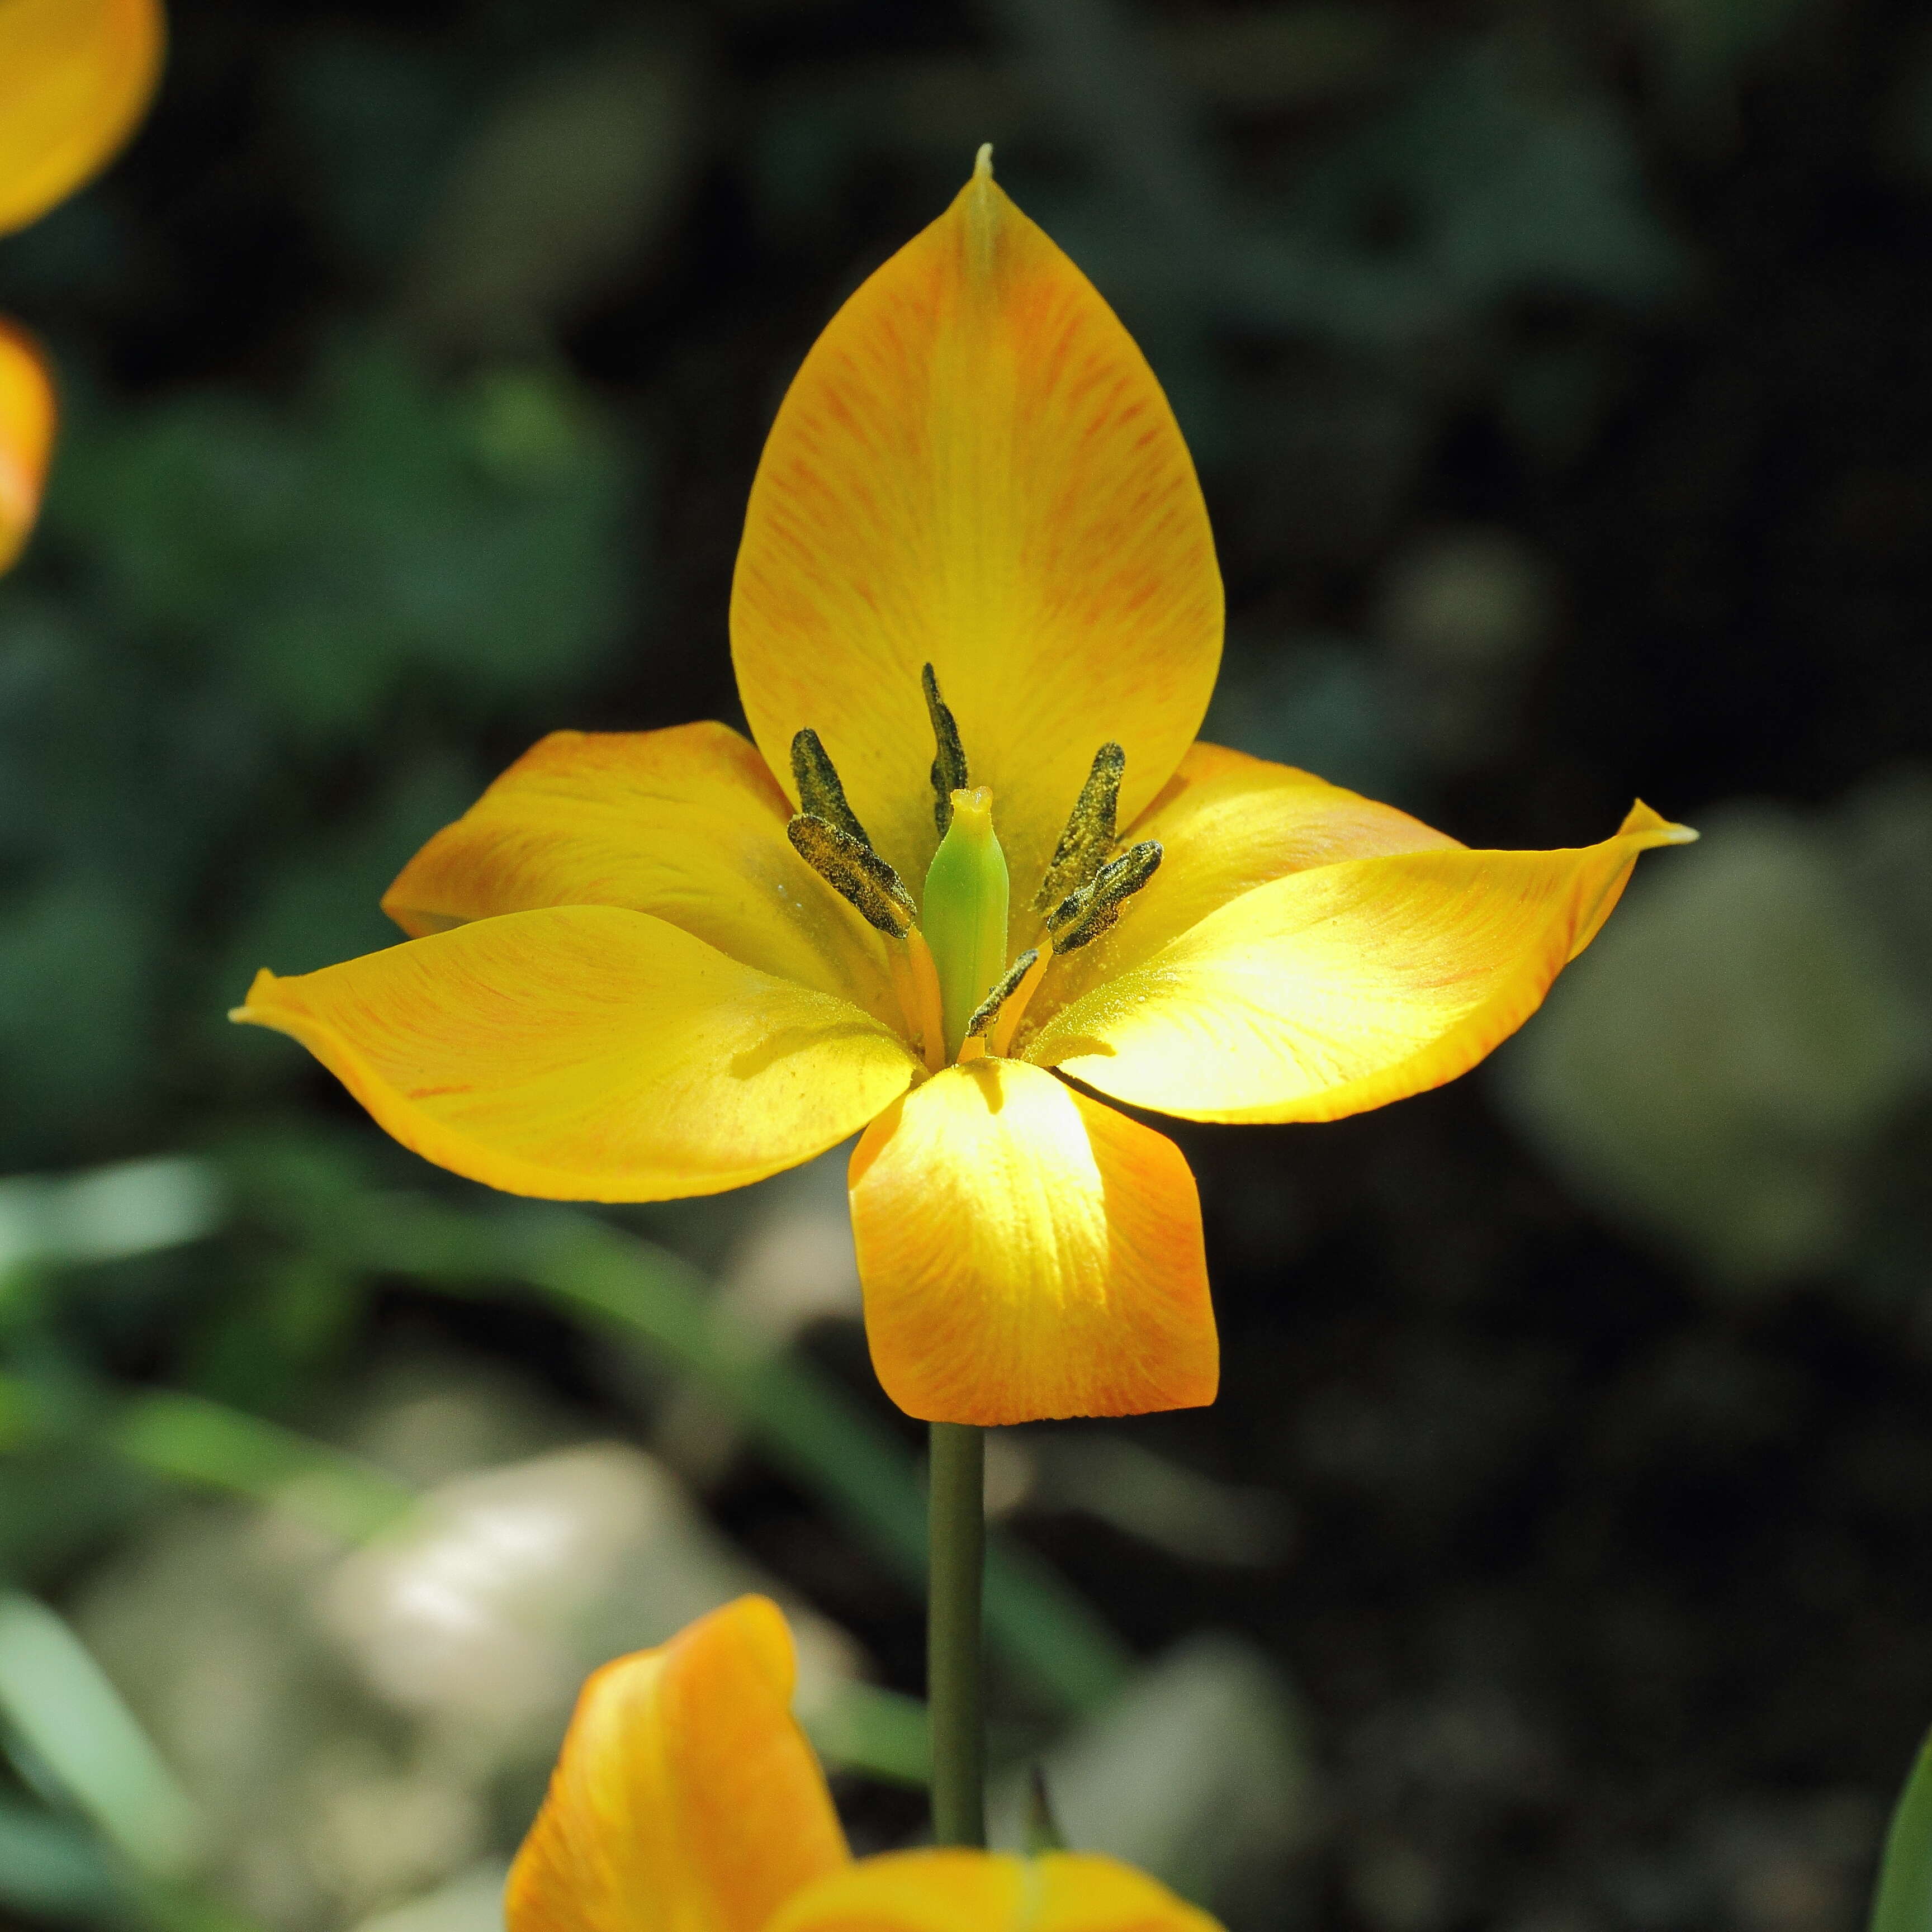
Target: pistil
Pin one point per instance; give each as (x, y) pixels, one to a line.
(965, 910)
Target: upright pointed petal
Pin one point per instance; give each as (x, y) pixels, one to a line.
(586, 1053)
(685, 823)
(1227, 822)
(1027, 1253)
(686, 1798)
(975, 468)
(1343, 988)
(75, 77)
(26, 438)
(987, 1892)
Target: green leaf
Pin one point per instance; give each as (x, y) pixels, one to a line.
(1903, 1900)
(60, 1705)
(191, 1440)
(881, 1733)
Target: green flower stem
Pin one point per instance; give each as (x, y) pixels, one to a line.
(957, 1536)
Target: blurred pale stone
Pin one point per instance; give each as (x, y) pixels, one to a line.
(472, 1901)
(358, 1730)
(484, 1612)
(1712, 1069)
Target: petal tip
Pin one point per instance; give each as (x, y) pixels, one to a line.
(1642, 820)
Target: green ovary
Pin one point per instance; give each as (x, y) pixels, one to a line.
(964, 912)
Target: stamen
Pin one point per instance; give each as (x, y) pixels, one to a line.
(926, 1009)
(855, 871)
(1080, 919)
(1089, 836)
(819, 793)
(987, 1010)
(949, 764)
(1000, 1039)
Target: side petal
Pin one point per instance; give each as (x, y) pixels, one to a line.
(26, 438)
(687, 824)
(976, 468)
(75, 77)
(1226, 823)
(987, 1892)
(686, 1798)
(590, 1054)
(1026, 1253)
(1331, 991)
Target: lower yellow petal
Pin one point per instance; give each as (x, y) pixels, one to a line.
(26, 438)
(590, 1054)
(686, 1798)
(1227, 822)
(987, 1892)
(685, 823)
(75, 78)
(1346, 986)
(1027, 1252)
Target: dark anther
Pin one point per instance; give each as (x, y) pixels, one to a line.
(1089, 836)
(820, 792)
(949, 763)
(855, 871)
(987, 1010)
(1081, 917)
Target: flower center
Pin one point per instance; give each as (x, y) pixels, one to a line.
(960, 995)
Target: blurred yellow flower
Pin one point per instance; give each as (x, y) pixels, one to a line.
(75, 77)
(975, 622)
(686, 1799)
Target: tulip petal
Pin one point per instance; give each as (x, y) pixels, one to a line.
(686, 823)
(75, 77)
(1227, 822)
(987, 1892)
(1026, 1253)
(1343, 988)
(26, 438)
(976, 468)
(587, 1053)
(686, 1798)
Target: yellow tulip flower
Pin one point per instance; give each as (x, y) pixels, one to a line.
(686, 1799)
(974, 856)
(75, 77)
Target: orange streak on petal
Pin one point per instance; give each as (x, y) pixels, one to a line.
(686, 1799)
(1027, 1252)
(976, 468)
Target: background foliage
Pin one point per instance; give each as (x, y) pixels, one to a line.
(1558, 372)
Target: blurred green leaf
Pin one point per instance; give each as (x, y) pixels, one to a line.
(134, 1208)
(324, 557)
(49, 1867)
(881, 1733)
(193, 1440)
(1903, 1901)
(73, 1723)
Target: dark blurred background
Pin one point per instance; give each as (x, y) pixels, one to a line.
(1560, 376)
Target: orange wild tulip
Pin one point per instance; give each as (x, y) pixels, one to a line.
(975, 855)
(75, 77)
(686, 1799)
